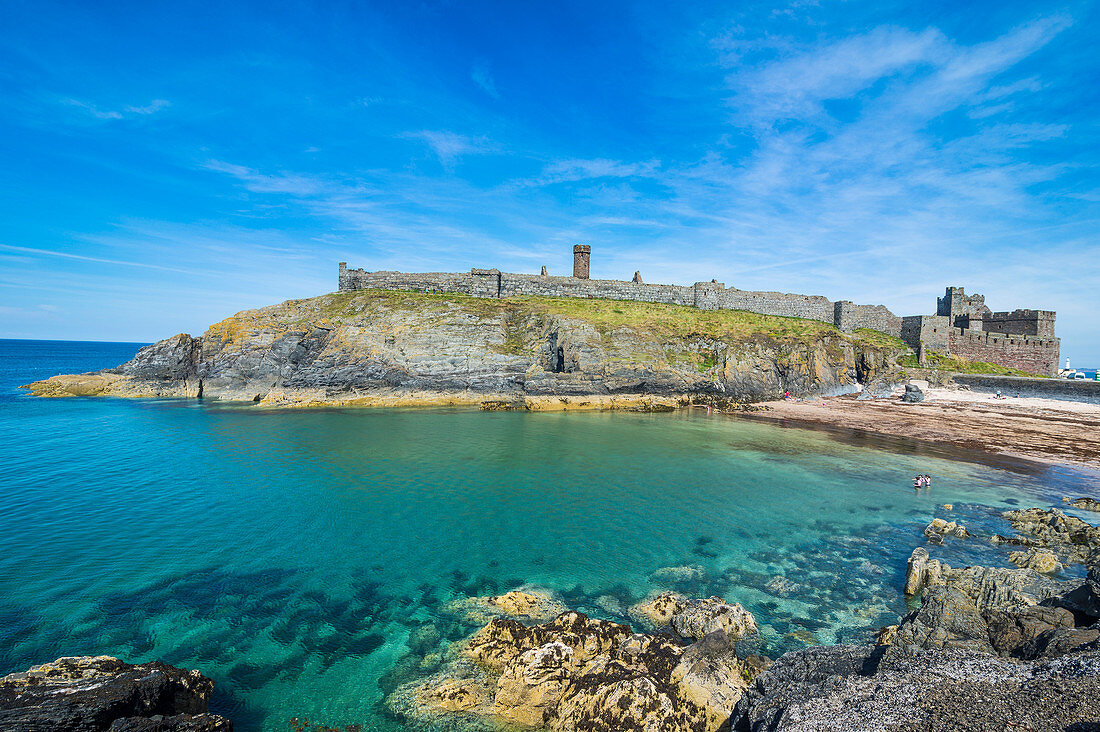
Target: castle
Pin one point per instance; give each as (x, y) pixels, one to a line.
(962, 326)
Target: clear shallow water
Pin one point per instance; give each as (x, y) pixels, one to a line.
(288, 555)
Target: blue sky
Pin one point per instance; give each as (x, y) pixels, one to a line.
(166, 165)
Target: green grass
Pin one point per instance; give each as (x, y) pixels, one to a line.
(658, 320)
(959, 365)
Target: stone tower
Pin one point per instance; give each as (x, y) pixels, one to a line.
(581, 255)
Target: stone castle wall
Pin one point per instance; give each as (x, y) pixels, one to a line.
(1021, 322)
(705, 295)
(1022, 339)
(1027, 353)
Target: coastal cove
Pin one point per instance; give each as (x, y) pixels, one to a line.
(298, 557)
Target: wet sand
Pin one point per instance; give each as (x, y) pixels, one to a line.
(1047, 430)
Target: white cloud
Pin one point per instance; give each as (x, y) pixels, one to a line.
(154, 106)
(484, 79)
(108, 114)
(449, 147)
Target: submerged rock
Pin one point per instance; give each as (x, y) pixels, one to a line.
(686, 573)
(530, 603)
(695, 618)
(100, 693)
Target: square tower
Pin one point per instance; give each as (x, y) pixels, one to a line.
(581, 255)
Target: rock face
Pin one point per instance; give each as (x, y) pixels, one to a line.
(375, 347)
(575, 673)
(100, 693)
(842, 688)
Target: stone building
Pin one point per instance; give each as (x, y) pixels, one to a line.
(963, 325)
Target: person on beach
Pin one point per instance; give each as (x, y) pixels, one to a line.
(918, 482)
(927, 480)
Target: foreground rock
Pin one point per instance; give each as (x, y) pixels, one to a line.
(842, 688)
(942, 667)
(391, 348)
(100, 693)
(576, 673)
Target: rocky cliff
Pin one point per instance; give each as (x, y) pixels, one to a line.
(377, 347)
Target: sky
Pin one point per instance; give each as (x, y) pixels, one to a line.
(164, 165)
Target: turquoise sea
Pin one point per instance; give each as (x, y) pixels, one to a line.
(290, 554)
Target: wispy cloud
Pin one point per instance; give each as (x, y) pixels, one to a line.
(291, 183)
(86, 258)
(573, 169)
(481, 76)
(110, 114)
(449, 147)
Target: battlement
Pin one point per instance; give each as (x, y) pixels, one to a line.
(963, 325)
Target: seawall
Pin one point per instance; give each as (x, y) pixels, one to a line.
(1064, 389)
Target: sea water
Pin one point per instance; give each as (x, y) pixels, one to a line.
(289, 554)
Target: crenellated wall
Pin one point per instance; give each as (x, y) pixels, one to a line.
(1027, 353)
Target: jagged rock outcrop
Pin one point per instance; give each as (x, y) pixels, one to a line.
(987, 587)
(694, 618)
(938, 528)
(1042, 561)
(942, 666)
(1071, 539)
(377, 347)
(1086, 504)
(101, 693)
(576, 673)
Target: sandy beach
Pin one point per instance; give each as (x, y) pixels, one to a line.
(1046, 430)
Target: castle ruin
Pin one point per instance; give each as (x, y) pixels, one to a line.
(963, 326)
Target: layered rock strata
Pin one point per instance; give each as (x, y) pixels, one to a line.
(379, 348)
